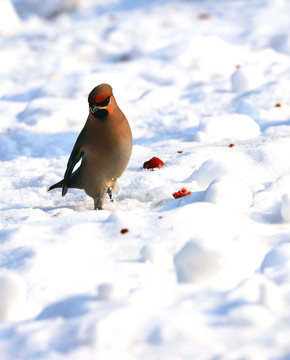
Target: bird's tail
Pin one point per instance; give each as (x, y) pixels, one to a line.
(57, 185)
(74, 182)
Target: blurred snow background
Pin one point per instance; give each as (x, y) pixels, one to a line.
(205, 86)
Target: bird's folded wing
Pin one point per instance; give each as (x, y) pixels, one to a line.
(74, 158)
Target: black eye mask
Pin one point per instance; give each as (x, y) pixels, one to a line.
(97, 108)
(102, 104)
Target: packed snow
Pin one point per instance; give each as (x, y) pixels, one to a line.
(205, 86)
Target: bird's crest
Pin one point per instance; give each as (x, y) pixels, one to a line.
(98, 99)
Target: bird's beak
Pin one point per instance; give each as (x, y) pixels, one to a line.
(99, 112)
(95, 108)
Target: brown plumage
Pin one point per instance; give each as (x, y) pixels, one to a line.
(104, 146)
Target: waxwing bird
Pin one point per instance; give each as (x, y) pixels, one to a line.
(104, 147)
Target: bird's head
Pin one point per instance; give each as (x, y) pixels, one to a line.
(100, 100)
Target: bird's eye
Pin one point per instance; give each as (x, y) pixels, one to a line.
(94, 108)
(106, 101)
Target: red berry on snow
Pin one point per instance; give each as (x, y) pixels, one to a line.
(153, 163)
(124, 231)
(181, 193)
(205, 16)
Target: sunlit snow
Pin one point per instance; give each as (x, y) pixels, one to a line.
(205, 86)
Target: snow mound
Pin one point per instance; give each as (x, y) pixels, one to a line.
(193, 263)
(274, 199)
(229, 191)
(13, 292)
(112, 291)
(119, 221)
(246, 79)
(248, 108)
(209, 171)
(278, 257)
(260, 290)
(204, 261)
(156, 254)
(9, 20)
(230, 127)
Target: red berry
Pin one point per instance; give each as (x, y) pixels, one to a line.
(124, 231)
(231, 145)
(153, 163)
(204, 16)
(181, 193)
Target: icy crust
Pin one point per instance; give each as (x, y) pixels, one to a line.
(205, 87)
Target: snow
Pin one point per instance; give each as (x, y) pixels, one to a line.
(234, 126)
(194, 263)
(247, 79)
(229, 191)
(13, 291)
(157, 255)
(205, 87)
(285, 208)
(9, 20)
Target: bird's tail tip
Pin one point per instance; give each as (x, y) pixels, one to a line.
(55, 186)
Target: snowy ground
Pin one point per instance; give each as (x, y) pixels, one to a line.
(206, 276)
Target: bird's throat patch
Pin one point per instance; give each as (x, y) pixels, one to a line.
(100, 114)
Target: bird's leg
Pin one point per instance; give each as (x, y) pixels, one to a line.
(110, 193)
(98, 203)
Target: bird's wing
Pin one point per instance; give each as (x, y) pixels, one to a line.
(74, 158)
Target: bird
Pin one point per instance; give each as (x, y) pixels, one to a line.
(104, 147)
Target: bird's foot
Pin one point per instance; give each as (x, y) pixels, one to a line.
(110, 193)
